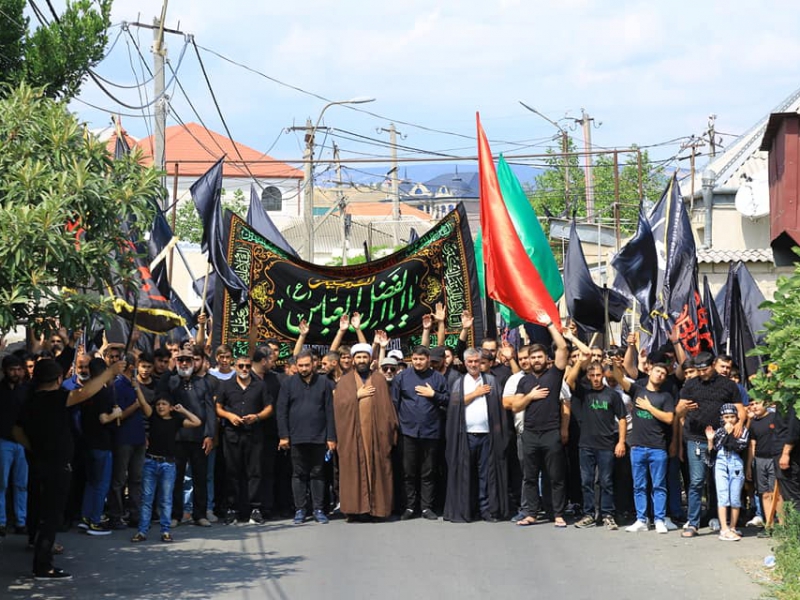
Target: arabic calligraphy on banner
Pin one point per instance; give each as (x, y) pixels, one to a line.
(392, 293)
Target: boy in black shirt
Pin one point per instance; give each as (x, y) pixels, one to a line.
(159, 462)
(767, 432)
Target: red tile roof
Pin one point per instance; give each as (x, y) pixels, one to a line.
(197, 149)
(384, 209)
(111, 144)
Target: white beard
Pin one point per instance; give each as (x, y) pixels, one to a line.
(186, 372)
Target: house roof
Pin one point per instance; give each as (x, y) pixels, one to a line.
(458, 185)
(196, 149)
(384, 209)
(743, 156)
(751, 255)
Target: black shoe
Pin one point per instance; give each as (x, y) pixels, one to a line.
(230, 517)
(2, 531)
(256, 518)
(407, 514)
(20, 530)
(430, 515)
(98, 529)
(489, 518)
(53, 574)
(117, 524)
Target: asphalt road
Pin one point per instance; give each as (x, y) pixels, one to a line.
(409, 560)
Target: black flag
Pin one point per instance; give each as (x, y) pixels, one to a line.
(207, 195)
(585, 299)
(746, 321)
(715, 324)
(259, 220)
(636, 265)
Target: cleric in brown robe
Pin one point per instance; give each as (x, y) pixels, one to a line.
(366, 430)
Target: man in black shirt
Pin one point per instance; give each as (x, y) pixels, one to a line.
(700, 402)
(306, 425)
(243, 402)
(546, 426)
(651, 420)
(13, 466)
(601, 414)
(45, 430)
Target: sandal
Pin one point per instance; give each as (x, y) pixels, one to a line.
(560, 523)
(729, 536)
(138, 537)
(165, 537)
(689, 532)
(527, 521)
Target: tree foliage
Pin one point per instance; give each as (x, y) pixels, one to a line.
(780, 383)
(548, 194)
(64, 205)
(57, 55)
(189, 228)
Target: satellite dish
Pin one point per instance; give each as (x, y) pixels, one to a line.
(752, 199)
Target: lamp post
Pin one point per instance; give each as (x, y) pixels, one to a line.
(308, 192)
(564, 150)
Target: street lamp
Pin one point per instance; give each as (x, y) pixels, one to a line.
(309, 172)
(564, 150)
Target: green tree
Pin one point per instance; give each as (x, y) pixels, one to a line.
(188, 227)
(65, 203)
(57, 55)
(780, 383)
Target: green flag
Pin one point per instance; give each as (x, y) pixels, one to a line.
(530, 234)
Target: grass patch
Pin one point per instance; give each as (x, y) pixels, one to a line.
(787, 555)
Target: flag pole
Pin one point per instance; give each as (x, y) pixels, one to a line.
(606, 327)
(205, 290)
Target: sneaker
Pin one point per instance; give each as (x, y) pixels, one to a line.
(83, 523)
(117, 524)
(320, 517)
(203, 523)
(610, 523)
(53, 574)
(407, 514)
(713, 525)
(517, 517)
(186, 518)
(174, 523)
(255, 517)
(300, 516)
(585, 522)
(138, 537)
(167, 538)
(670, 525)
(728, 536)
(98, 529)
(661, 527)
(230, 517)
(430, 515)
(636, 527)
(212, 518)
(755, 522)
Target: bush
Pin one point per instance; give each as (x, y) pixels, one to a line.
(787, 554)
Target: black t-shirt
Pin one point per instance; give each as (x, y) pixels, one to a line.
(46, 421)
(11, 400)
(709, 395)
(161, 439)
(769, 433)
(545, 414)
(598, 413)
(646, 430)
(97, 436)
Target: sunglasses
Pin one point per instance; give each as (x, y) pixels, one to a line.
(181, 359)
(244, 366)
(389, 369)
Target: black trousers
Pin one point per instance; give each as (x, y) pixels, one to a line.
(419, 466)
(789, 483)
(52, 491)
(308, 471)
(243, 458)
(268, 459)
(544, 450)
(191, 453)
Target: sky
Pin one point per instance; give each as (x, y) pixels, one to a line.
(649, 73)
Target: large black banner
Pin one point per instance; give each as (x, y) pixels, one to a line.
(391, 294)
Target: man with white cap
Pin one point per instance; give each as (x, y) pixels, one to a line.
(366, 431)
(389, 368)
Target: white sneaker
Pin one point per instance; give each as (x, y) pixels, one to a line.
(637, 527)
(713, 525)
(212, 518)
(755, 522)
(670, 525)
(661, 527)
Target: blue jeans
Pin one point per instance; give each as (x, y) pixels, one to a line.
(13, 464)
(674, 487)
(729, 476)
(156, 476)
(603, 461)
(98, 482)
(696, 457)
(654, 461)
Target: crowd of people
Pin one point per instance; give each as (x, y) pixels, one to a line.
(560, 432)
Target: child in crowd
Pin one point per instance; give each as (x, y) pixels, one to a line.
(159, 463)
(767, 432)
(728, 470)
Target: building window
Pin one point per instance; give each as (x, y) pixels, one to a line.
(271, 198)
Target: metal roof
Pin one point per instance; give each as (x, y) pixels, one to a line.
(749, 255)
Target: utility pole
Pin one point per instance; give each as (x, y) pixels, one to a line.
(392, 131)
(308, 191)
(712, 133)
(160, 108)
(340, 201)
(586, 122)
(693, 144)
